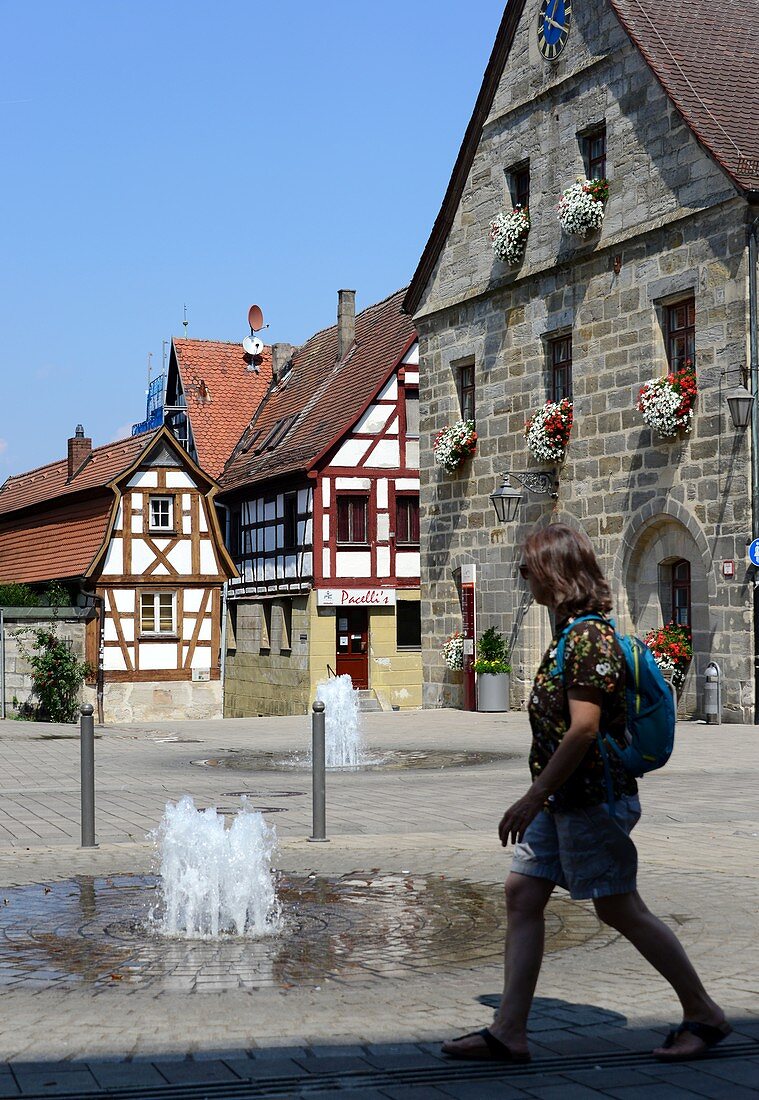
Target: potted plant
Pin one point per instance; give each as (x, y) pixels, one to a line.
(547, 431)
(581, 207)
(453, 651)
(673, 651)
(508, 234)
(667, 403)
(455, 444)
(493, 671)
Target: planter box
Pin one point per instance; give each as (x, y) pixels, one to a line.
(493, 691)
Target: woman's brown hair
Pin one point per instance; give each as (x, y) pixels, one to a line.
(563, 562)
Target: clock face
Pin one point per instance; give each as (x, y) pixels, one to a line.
(554, 20)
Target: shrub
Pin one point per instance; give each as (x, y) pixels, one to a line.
(492, 653)
(57, 676)
(18, 595)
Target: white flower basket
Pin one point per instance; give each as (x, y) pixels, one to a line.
(453, 651)
(667, 403)
(455, 444)
(508, 233)
(581, 206)
(547, 430)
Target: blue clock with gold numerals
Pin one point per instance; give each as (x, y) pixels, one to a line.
(554, 21)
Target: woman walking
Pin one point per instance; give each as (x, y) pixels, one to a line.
(563, 832)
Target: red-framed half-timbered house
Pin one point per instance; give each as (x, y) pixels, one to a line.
(323, 499)
(131, 529)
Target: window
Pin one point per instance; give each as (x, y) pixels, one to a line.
(161, 513)
(466, 391)
(265, 625)
(412, 414)
(290, 534)
(285, 641)
(407, 520)
(352, 519)
(520, 185)
(680, 333)
(594, 153)
(157, 612)
(681, 592)
(235, 531)
(408, 624)
(561, 368)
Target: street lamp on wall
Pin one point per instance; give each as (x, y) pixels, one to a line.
(507, 497)
(741, 402)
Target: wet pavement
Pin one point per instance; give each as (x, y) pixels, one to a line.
(395, 925)
(374, 760)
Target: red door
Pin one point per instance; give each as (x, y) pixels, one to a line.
(352, 645)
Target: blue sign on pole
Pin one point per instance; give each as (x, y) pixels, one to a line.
(753, 552)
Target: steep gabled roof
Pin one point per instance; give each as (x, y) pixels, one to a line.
(222, 393)
(705, 58)
(50, 482)
(319, 399)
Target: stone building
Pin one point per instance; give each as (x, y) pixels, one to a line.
(667, 109)
(322, 494)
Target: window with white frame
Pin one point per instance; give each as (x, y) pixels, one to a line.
(158, 612)
(161, 513)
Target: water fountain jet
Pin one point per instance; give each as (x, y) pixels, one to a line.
(344, 746)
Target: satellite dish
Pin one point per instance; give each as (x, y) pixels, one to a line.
(255, 318)
(251, 345)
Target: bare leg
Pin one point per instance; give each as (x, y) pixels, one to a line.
(661, 947)
(526, 899)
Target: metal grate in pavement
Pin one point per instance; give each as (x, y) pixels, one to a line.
(301, 1085)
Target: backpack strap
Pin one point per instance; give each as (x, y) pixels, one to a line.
(601, 739)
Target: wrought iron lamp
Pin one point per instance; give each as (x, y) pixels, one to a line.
(507, 497)
(741, 402)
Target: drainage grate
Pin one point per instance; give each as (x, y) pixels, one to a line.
(446, 1073)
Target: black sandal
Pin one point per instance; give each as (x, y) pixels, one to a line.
(708, 1035)
(493, 1051)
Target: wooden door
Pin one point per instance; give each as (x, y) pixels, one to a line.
(352, 644)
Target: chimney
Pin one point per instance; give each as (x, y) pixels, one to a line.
(346, 322)
(280, 357)
(79, 451)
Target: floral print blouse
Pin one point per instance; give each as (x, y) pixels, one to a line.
(592, 659)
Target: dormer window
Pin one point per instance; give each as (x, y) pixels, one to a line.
(161, 513)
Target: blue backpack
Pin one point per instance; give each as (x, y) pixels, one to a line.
(650, 706)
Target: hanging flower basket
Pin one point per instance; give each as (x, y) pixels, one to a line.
(673, 651)
(581, 206)
(508, 232)
(667, 403)
(453, 651)
(455, 444)
(547, 430)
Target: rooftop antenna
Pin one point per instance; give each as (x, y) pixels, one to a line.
(253, 345)
(165, 353)
(150, 365)
(185, 322)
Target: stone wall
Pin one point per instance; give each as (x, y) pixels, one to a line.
(674, 226)
(267, 674)
(69, 623)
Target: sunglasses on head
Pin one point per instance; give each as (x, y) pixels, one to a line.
(524, 571)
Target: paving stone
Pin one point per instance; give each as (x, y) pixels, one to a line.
(56, 1082)
(126, 1075)
(177, 1073)
(662, 1091)
(483, 1090)
(354, 1064)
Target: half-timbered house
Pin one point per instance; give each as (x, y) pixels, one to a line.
(323, 498)
(131, 529)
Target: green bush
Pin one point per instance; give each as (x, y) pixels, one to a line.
(57, 595)
(492, 653)
(18, 595)
(57, 676)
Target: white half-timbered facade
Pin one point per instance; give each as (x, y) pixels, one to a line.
(323, 499)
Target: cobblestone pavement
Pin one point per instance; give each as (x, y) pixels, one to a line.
(72, 1024)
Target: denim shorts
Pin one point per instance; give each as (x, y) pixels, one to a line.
(587, 852)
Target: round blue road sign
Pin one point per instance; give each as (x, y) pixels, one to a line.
(753, 551)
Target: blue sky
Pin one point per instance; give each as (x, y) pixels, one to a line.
(161, 153)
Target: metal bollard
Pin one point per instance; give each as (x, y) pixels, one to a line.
(713, 694)
(87, 747)
(318, 765)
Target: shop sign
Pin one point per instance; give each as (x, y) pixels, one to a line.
(355, 597)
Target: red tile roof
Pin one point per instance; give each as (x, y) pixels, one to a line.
(55, 542)
(324, 398)
(51, 481)
(704, 55)
(222, 393)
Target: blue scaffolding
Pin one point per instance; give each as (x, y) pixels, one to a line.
(154, 410)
